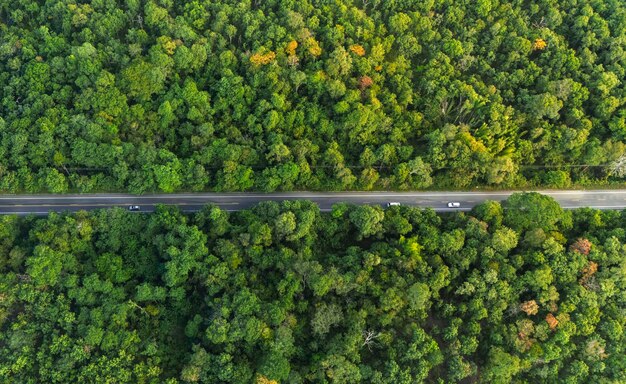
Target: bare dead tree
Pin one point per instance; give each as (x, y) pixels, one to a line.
(541, 23)
(375, 4)
(369, 338)
(618, 167)
(445, 107)
(24, 278)
(138, 307)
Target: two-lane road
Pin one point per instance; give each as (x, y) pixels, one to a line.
(191, 202)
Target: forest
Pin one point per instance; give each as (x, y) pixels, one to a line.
(519, 291)
(233, 95)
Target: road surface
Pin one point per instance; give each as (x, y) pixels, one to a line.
(191, 202)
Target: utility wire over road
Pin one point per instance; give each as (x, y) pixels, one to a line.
(192, 202)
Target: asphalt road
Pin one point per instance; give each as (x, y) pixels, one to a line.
(190, 202)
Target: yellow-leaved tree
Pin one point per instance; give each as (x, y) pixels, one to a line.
(539, 44)
(262, 59)
(357, 49)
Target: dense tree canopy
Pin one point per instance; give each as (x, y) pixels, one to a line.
(163, 95)
(285, 293)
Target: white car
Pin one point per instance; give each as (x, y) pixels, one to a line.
(454, 204)
(393, 204)
(133, 208)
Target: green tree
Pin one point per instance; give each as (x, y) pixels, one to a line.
(367, 220)
(501, 366)
(530, 209)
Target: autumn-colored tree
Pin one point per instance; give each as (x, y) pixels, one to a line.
(291, 47)
(552, 321)
(260, 379)
(588, 272)
(262, 59)
(313, 46)
(525, 328)
(292, 60)
(596, 350)
(530, 307)
(539, 44)
(365, 82)
(581, 246)
(357, 50)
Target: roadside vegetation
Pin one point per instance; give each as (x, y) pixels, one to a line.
(163, 95)
(282, 293)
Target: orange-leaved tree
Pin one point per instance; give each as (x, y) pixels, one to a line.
(357, 49)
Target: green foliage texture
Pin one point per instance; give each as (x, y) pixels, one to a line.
(164, 95)
(284, 293)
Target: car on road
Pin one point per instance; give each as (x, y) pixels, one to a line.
(134, 208)
(393, 204)
(454, 204)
